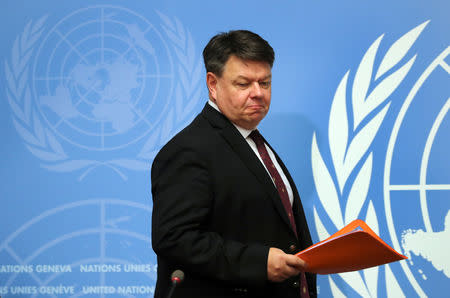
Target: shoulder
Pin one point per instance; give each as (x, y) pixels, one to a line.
(195, 135)
(203, 139)
(192, 142)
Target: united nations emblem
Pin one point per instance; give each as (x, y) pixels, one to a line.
(102, 87)
(343, 185)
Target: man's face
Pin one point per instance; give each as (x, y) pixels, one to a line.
(243, 91)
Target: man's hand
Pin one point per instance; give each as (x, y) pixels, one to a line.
(281, 266)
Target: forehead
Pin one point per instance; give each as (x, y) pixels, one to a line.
(236, 67)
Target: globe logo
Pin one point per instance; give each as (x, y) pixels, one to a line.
(103, 78)
(89, 257)
(343, 181)
(416, 175)
(101, 89)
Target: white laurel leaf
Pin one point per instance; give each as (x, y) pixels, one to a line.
(361, 142)
(24, 37)
(10, 79)
(362, 81)
(386, 88)
(325, 186)
(335, 289)
(131, 164)
(371, 218)
(399, 49)
(180, 31)
(190, 50)
(22, 80)
(38, 130)
(393, 289)
(355, 280)
(70, 166)
(182, 57)
(371, 278)
(174, 38)
(35, 38)
(166, 21)
(44, 155)
(16, 110)
(178, 102)
(38, 25)
(55, 145)
(321, 230)
(196, 74)
(25, 134)
(192, 103)
(187, 73)
(183, 78)
(358, 192)
(15, 58)
(338, 129)
(371, 274)
(24, 61)
(27, 105)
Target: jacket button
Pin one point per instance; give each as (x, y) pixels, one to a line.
(293, 248)
(295, 284)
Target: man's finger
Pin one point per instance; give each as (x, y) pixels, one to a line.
(296, 262)
(292, 270)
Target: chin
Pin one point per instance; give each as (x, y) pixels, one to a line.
(254, 122)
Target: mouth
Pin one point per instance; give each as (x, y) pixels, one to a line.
(256, 107)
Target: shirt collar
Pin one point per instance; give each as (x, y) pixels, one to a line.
(244, 132)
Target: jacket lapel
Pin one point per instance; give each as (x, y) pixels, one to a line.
(246, 154)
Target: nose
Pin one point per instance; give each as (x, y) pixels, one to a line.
(256, 90)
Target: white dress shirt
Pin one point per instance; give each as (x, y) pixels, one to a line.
(245, 134)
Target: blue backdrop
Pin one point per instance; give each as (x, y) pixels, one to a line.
(90, 90)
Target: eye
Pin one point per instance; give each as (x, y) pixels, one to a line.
(265, 84)
(242, 84)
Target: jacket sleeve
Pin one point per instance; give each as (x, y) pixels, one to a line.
(182, 201)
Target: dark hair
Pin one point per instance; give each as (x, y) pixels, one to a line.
(243, 44)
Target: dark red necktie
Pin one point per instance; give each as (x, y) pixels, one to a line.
(282, 191)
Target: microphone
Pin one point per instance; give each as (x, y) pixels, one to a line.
(177, 277)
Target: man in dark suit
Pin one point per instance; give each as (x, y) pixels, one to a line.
(225, 209)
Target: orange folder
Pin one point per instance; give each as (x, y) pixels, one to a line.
(352, 248)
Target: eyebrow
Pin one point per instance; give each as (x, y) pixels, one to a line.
(246, 78)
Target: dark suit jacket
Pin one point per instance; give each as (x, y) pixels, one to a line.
(216, 213)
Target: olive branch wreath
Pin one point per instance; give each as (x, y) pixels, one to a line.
(350, 135)
(43, 143)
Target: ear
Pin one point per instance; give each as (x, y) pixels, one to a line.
(211, 82)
